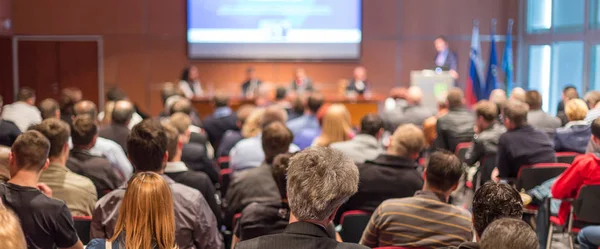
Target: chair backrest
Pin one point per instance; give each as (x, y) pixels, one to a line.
(484, 173)
(353, 224)
(566, 157)
(223, 162)
(224, 180)
(461, 150)
(82, 226)
(532, 176)
(587, 204)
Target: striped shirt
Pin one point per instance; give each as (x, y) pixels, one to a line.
(424, 221)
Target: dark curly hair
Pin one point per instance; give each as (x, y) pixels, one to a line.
(494, 201)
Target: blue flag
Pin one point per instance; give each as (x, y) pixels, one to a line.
(491, 80)
(473, 89)
(507, 60)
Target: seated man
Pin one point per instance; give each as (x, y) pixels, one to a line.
(77, 191)
(457, 125)
(425, 220)
(222, 120)
(193, 155)
(23, 112)
(522, 144)
(509, 233)
(178, 171)
(231, 137)
(8, 130)
(575, 136)
(537, 118)
(47, 222)
(306, 127)
(118, 130)
(196, 226)
(257, 184)
(392, 174)
(364, 146)
(319, 180)
(81, 161)
(49, 109)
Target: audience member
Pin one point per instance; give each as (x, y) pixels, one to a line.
(11, 233)
(537, 118)
(231, 137)
(335, 126)
(589, 237)
(146, 217)
(113, 95)
(178, 170)
(68, 98)
(576, 134)
(99, 170)
(4, 171)
(427, 217)
(456, 126)
(494, 201)
(319, 180)
(23, 112)
(521, 144)
(392, 174)
(195, 224)
(281, 99)
(509, 233)
(569, 93)
(103, 147)
(257, 184)
(366, 145)
(248, 153)
(498, 97)
(117, 131)
(485, 141)
(298, 107)
(185, 105)
(222, 120)
(592, 98)
(306, 127)
(414, 112)
(78, 192)
(8, 130)
(518, 94)
(47, 222)
(49, 109)
(393, 112)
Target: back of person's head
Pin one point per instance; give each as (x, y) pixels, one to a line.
(57, 132)
(169, 90)
(68, 97)
(25, 94)
(276, 139)
(243, 113)
(493, 201)
(146, 214)
(122, 112)
(596, 128)
(533, 98)
(279, 170)
(314, 102)
(86, 107)
(146, 146)
(569, 93)
(182, 105)
(11, 233)
(30, 151)
(592, 98)
(487, 110)
(576, 109)
(252, 125)
(518, 94)
(509, 233)
(407, 141)
(335, 125)
(442, 101)
(221, 100)
(115, 94)
(49, 108)
(273, 114)
(414, 95)
(173, 140)
(516, 112)
(371, 124)
(280, 93)
(443, 171)
(455, 98)
(498, 96)
(298, 104)
(84, 131)
(319, 181)
(4, 165)
(181, 122)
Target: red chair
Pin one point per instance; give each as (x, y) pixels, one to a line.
(566, 157)
(224, 180)
(223, 162)
(461, 150)
(532, 176)
(82, 226)
(353, 224)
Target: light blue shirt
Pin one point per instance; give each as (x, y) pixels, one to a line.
(305, 129)
(113, 153)
(440, 60)
(222, 112)
(592, 115)
(248, 153)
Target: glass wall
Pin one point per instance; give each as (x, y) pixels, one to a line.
(539, 68)
(568, 15)
(595, 68)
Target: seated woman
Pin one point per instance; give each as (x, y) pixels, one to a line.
(335, 126)
(576, 134)
(146, 218)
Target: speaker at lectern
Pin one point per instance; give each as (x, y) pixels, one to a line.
(434, 83)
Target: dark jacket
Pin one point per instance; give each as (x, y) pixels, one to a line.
(454, 128)
(117, 133)
(298, 235)
(260, 219)
(246, 86)
(574, 137)
(451, 62)
(230, 139)
(215, 126)
(523, 146)
(485, 144)
(195, 157)
(411, 114)
(352, 87)
(99, 170)
(8, 132)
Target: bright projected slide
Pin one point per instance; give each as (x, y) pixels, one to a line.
(274, 29)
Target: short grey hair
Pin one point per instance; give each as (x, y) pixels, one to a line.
(319, 180)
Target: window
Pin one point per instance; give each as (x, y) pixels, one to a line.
(594, 14)
(595, 68)
(539, 70)
(539, 15)
(568, 15)
(567, 69)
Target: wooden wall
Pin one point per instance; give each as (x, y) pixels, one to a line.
(6, 77)
(145, 43)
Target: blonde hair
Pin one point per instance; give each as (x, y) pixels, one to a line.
(180, 121)
(407, 140)
(252, 125)
(146, 213)
(108, 110)
(335, 126)
(576, 109)
(11, 234)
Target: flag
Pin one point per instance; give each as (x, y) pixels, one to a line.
(473, 86)
(491, 82)
(507, 60)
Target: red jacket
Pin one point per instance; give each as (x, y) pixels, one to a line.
(585, 170)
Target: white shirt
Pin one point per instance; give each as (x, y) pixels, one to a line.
(22, 114)
(188, 92)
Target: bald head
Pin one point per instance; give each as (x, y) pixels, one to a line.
(122, 112)
(85, 107)
(414, 95)
(518, 94)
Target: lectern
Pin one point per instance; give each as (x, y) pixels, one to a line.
(433, 83)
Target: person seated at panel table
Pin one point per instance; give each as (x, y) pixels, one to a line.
(190, 82)
(358, 84)
(301, 83)
(251, 85)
